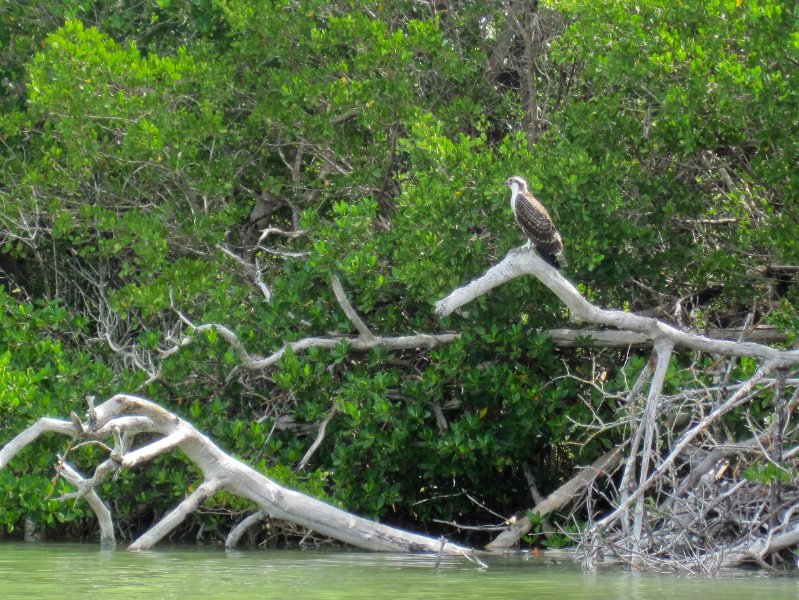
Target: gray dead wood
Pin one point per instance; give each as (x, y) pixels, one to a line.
(603, 466)
(661, 448)
(114, 417)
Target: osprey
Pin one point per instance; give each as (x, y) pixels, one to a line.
(535, 221)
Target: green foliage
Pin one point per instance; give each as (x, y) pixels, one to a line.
(767, 473)
(138, 139)
(40, 375)
(673, 96)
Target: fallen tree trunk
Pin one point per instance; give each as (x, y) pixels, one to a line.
(123, 417)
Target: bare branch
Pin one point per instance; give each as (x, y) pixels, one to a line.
(525, 261)
(358, 344)
(349, 311)
(28, 436)
(104, 519)
(663, 349)
(320, 436)
(611, 338)
(605, 465)
(225, 333)
(252, 271)
(686, 439)
(241, 528)
(223, 472)
(150, 451)
(161, 529)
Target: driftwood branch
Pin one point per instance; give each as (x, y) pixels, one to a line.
(101, 511)
(612, 338)
(353, 316)
(241, 528)
(220, 472)
(525, 261)
(320, 436)
(251, 270)
(663, 351)
(603, 466)
(161, 529)
(28, 436)
(686, 439)
(356, 344)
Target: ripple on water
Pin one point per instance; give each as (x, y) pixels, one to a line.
(43, 571)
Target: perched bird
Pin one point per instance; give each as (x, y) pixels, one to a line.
(535, 221)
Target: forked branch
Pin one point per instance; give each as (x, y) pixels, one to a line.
(220, 472)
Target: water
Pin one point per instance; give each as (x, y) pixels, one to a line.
(43, 571)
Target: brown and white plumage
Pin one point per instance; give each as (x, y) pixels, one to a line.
(534, 220)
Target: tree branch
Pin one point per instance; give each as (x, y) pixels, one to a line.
(320, 436)
(221, 472)
(604, 465)
(241, 528)
(683, 443)
(161, 529)
(695, 502)
(101, 511)
(612, 338)
(358, 344)
(663, 349)
(28, 436)
(525, 261)
(365, 341)
(349, 311)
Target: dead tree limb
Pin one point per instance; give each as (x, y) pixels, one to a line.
(665, 514)
(663, 351)
(220, 472)
(234, 535)
(320, 436)
(524, 261)
(360, 343)
(101, 511)
(603, 466)
(611, 338)
(680, 446)
(365, 341)
(353, 316)
(160, 530)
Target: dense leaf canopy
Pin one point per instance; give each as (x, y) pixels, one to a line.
(160, 158)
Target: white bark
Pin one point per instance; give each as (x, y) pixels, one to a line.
(101, 511)
(603, 466)
(648, 424)
(363, 342)
(41, 426)
(195, 500)
(241, 528)
(685, 440)
(221, 472)
(649, 467)
(611, 338)
(523, 261)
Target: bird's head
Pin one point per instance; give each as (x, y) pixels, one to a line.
(518, 182)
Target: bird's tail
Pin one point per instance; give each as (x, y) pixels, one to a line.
(550, 258)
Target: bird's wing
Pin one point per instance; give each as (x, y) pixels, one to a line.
(534, 219)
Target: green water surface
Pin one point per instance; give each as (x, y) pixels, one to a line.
(67, 571)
